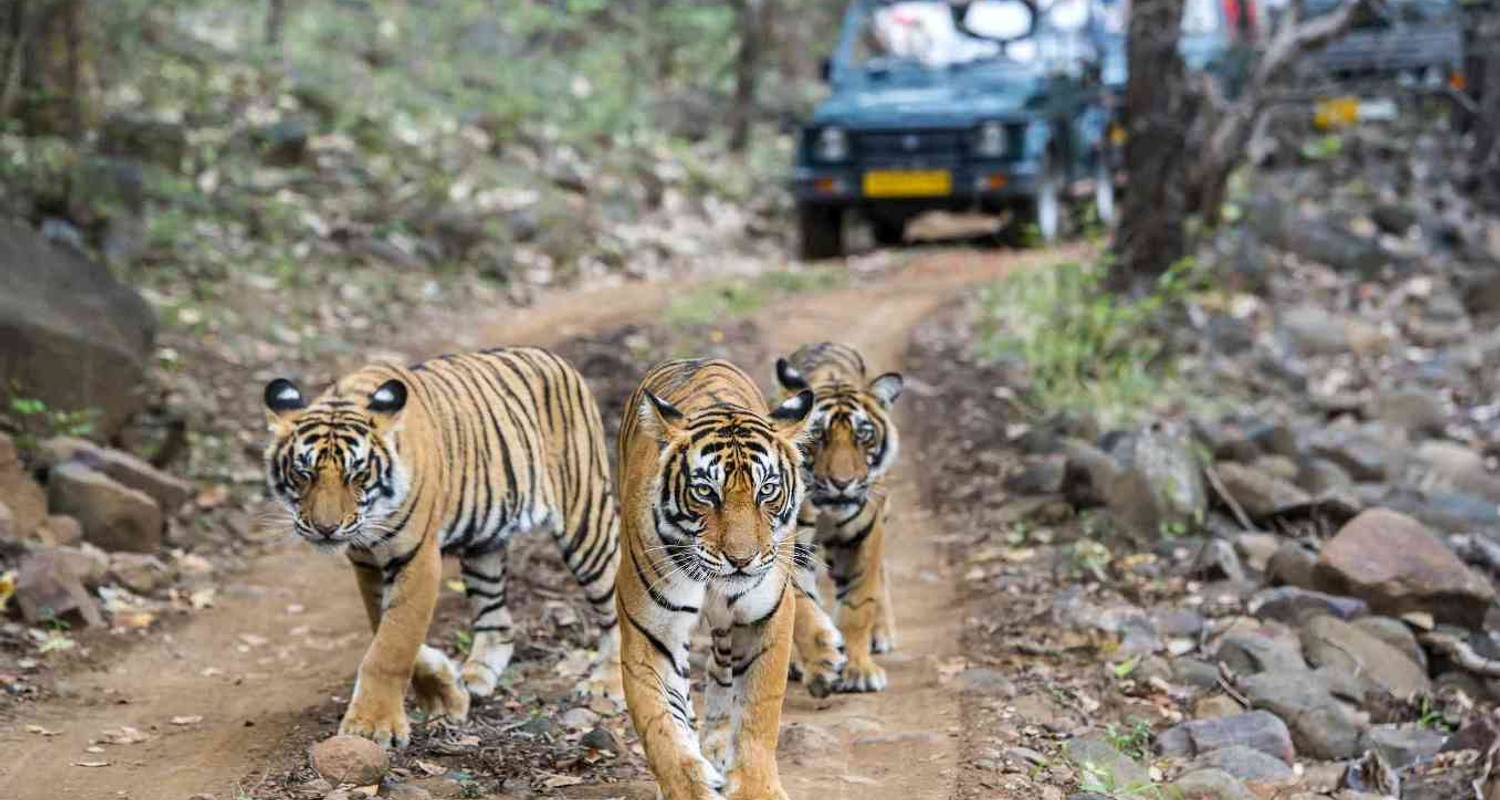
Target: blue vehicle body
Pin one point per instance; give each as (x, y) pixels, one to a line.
(903, 117)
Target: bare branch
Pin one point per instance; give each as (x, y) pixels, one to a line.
(1461, 653)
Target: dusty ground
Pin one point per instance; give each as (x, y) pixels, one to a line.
(229, 701)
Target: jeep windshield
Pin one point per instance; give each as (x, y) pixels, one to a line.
(937, 34)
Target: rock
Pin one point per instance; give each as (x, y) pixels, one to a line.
(60, 530)
(986, 680)
(1248, 650)
(22, 496)
(1275, 438)
(7, 525)
(114, 517)
(70, 334)
(801, 742)
(1292, 605)
(1321, 725)
(349, 759)
(1259, 494)
(139, 572)
(1278, 467)
(1392, 562)
(169, 491)
(1088, 473)
(601, 739)
(1039, 475)
(50, 584)
(1256, 549)
(1255, 730)
(1338, 645)
(1226, 441)
(1459, 468)
(1216, 706)
(1099, 758)
(1372, 775)
(1291, 565)
(1159, 486)
(1217, 560)
(1319, 476)
(1480, 734)
(1244, 763)
(1211, 784)
(578, 719)
(1450, 512)
(135, 135)
(1402, 746)
(1362, 456)
(1313, 331)
(1414, 410)
(406, 791)
(1395, 633)
(284, 142)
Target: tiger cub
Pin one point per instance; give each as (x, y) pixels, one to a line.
(710, 487)
(853, 444)
(397, 466)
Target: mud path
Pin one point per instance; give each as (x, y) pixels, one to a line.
(223, 694)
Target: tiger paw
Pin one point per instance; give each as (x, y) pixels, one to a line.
(822, 664)
(716, 744)
(882, 641)
(436, 686)
(603, 681)
(382, 722)
(862, 675)
(479, 679)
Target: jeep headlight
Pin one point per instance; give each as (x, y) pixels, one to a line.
(989, 140)
(832, 144)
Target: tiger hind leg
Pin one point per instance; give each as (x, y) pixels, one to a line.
(494, 639)
(594, 562)
(436, 686)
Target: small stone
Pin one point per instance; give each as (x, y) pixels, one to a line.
(1267, 647)
(1402, 746)
(1261, 495)
(140, 573)
(578, 719)
(1291, 565)
(169, 491)
(1321, 725)
(1038, 475)
(1244, 763)
(601, 739)
(349, 759)
(1100, 758)
(50, 584)
(1211, 784)
(1256, 549)
(1414, 410)
(1258, 730)
(60, 530)
(1292, 605)
(406, 791)
(1364, 457)
(1397, 634)
(114, 516)
(1216, 706)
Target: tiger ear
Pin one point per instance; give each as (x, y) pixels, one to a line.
(660, 420)
(283, 400)
(887, 388)
(788, 376)
(790, 417)
(386, 404)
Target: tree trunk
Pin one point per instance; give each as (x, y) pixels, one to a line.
(1484, 64)
(275, 21)
(750, 19)
(1151, 237)
(47, 79)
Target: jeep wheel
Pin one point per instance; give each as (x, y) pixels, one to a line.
(888, 232)
(820, 231)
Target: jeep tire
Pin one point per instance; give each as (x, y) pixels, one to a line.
(888, 232)
(820, 231)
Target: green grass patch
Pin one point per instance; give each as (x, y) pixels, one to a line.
(737, 298)
(1084, 347)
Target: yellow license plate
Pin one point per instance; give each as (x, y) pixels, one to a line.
(908, 183)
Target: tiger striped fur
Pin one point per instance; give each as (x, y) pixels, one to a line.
(710, 487)
(854, 443)
(398, 466)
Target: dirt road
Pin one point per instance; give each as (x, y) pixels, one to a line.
(224, 693)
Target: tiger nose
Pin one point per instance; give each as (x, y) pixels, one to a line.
(327, 531)
(739, 562)
(841, 485)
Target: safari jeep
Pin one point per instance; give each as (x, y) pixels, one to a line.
(939, 105)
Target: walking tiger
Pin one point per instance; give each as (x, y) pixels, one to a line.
(397, 466)
(853, 444)
(710, 487)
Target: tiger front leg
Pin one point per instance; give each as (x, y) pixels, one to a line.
(761, 651)
(819, 644)
(856, 564)
(720, 698)
(883, 640)
(434, 679)
(377, 711)
(493, 631)
(653, 659)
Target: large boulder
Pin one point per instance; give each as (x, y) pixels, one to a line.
(169, 491)
(1396, 565)
(70, 334)
(114, 516)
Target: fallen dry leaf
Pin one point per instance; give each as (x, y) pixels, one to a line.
(190, 719)
(90, 763)
(123, 735)
(40, 731)
(558, 781)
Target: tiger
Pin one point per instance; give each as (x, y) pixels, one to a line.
(710, 485)
(397, 466)
(854, 443)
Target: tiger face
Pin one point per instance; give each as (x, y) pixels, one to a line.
(853, 441)
(333, 465)
(728, 485)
